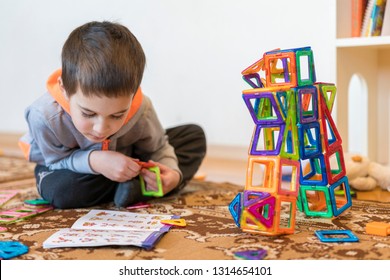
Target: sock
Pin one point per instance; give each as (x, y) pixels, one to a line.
(128, 193)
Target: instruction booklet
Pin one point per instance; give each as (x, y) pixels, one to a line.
(107, 227)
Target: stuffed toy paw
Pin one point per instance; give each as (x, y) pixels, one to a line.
(363, 183)
(357, 171)
(381, 174)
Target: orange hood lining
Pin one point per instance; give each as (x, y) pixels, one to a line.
(54, 89)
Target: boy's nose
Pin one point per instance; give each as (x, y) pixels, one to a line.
(101, 127)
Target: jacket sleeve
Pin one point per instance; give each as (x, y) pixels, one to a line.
(48, 149)
(153, 143)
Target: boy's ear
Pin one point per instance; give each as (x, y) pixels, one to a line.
(61, 85)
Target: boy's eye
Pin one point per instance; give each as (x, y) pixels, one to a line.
(85, 115)
(118, 117)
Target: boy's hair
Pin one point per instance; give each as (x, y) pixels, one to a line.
(102, 59)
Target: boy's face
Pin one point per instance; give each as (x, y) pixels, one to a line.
(97, 118)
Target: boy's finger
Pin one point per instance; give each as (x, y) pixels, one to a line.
(134, 166)
(150, 184)
(147, 173)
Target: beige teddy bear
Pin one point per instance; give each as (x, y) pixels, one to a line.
(364, 174)
(381, 173)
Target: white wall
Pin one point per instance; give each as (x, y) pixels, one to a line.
(196, 50)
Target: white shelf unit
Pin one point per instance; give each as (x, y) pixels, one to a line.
(369, 59)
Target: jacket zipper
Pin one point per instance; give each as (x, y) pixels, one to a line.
(105, 144)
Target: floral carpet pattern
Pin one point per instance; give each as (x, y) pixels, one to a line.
(13, 168)
(210, 234)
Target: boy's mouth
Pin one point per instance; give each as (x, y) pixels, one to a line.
(96, 138)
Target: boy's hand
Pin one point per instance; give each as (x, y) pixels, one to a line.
(113, 165)
(169, 178)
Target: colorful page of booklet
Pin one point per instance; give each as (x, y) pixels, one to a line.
(106, 227)
(6, 195)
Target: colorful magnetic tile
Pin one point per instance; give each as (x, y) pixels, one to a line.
(342, 192)
(335, 166)
(251, 254)
(322, 204)
(346, 203)
(146, 164)
(263, 107)
(326, 236)
(309, 135)
(271, 135)
(285, 207)
(253, 80)
(307, 104)
(278, 50)
(309, 63)
(329, 130)
(290, 182)
(11, 249)
(264, 211)
(290, 142)
(252, 197)
(254, 68)
(270, 178)
(175, 222)
(378, 228)
(285, 76)
(144, 189)
(37, 202)
(313, 173)
(283, 100)
(235, 209)
(328, 92)
(249, 222)
(300, 202)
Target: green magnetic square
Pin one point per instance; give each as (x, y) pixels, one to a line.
(308, 212)
(291, 127)
(310, 61)
(146, 192)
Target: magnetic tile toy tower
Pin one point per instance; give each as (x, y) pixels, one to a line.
(295, 156)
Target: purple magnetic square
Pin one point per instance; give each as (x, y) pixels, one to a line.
(256, 137)
(266, 95)
(314, 99)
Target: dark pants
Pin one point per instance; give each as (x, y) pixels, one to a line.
(67, 189)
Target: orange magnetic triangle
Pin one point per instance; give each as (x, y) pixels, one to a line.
(175, 222)
(254, 68)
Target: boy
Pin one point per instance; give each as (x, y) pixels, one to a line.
(89, 133)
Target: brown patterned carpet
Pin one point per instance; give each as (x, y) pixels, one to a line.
(13, 168)
(210, 233)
